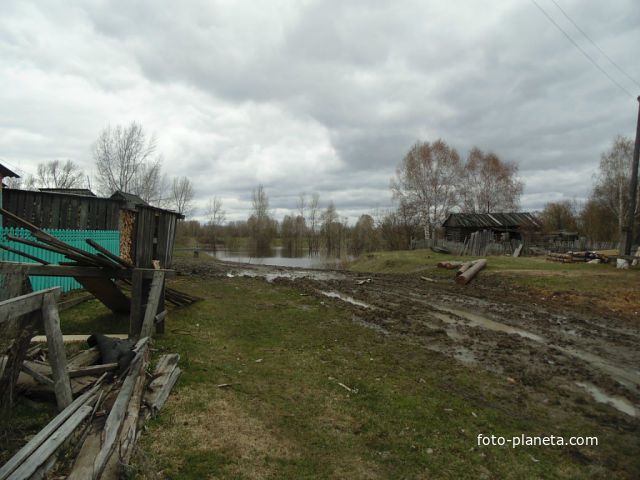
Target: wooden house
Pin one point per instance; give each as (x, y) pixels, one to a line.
(505, 226)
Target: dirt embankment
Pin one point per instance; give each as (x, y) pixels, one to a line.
(557, 348)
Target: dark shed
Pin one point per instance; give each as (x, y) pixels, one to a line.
(458, 226)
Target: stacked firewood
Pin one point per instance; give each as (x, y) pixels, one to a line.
(101, 425)
(127, 224)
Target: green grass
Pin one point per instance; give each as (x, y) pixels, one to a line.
(522, 271)
(285, 415)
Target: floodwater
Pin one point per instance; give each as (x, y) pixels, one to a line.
(277, 257)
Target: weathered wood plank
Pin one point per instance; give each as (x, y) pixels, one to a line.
(157, 284)
(24, 304)
(50, 445)
(28, 368)
(45, 433)
(57, 356)
(116, 415)
(84, 358)
(23, 254)
(107, 292)
(76, 271)
(92, 370)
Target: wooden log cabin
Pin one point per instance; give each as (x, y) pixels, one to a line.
(505, 226)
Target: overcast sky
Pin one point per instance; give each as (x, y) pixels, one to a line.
(320, 96)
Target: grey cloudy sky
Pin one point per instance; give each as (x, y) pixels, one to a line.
(319, 96)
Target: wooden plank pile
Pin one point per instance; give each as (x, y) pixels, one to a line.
(100, 427)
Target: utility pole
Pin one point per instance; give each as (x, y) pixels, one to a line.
(628, 233)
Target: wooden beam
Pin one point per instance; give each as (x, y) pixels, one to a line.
(75, 271)
(23, 254)
(49, 447)
(107, 292)
(37, 376)
(57, 356)
(152, 304)
(117, 413)
(106, 252)
(24, 304)
(92, 370)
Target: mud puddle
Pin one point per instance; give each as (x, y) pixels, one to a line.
(476, 320)
(619, 403)
(345, 298)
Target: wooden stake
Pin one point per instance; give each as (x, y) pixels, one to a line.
(57, 357)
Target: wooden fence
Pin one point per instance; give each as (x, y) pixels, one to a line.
(61, 211)
(77, 238)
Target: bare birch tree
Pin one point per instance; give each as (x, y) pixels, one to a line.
(215, 217)
(611, 188)
(489, 184)
(124, 160)
(59, 174)
(428, 180)
(182, 195)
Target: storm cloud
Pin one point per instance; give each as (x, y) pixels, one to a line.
(319, 96)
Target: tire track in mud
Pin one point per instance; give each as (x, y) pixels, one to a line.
(480, 327)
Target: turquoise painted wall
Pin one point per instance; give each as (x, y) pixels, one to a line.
(109, 239)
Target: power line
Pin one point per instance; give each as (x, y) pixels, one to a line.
(595, 45)
(581, 49)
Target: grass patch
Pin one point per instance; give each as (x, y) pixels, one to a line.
(415, 414)
(599, 287)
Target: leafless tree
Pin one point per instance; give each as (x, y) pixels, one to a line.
(611, 188)
(489, 184)
(59, 174)
(312, 224)
(215, 217)
(182, 195)
(124, 160)
(260, 222)
(428, 180)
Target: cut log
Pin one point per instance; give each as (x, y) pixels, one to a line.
(464, 278)
(464, 267)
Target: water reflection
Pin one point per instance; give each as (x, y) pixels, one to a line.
(277, 257)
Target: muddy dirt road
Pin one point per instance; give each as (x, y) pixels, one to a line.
(562, 354)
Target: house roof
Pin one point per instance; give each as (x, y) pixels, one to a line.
(133, 201)
(5, 172)
(73, 191)
(491, 220)
(129, 198)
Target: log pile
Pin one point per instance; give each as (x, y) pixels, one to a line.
(560, 257)
(465, 270)
(100, 427)
(127, 226)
